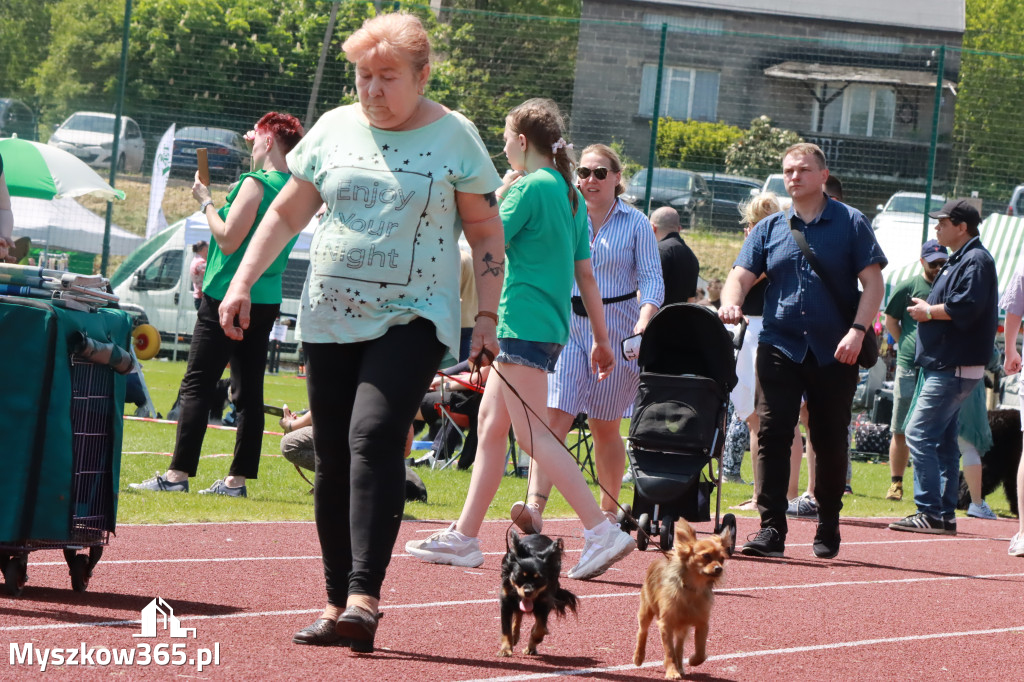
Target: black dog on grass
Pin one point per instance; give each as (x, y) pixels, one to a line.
(999, 465)
(529, 584)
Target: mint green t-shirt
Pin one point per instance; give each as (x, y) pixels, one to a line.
(220, 268)
(543, 240)
(385, 251)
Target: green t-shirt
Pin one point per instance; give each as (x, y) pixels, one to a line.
(220, 268)
(386, 250)
(916, 287)
(543, 240)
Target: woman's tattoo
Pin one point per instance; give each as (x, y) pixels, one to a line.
(493, 267)
(492, 198)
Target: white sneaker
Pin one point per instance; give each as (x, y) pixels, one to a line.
(602, 547)
(447, 547)
(1017, 545)
(527, 516)
(981, 511)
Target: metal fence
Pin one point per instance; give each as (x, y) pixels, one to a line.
(698, 90)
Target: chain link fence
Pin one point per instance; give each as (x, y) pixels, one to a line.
(699, 104)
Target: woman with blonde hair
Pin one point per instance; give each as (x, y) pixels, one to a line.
(380, 306)
(742, 396)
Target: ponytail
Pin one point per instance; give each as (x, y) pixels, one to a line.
(540, 121)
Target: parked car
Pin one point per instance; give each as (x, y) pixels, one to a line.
(777, 184)
(17, 119)
(685, 191)
(899, 226)
(227, 153)
(1016, 206)
(89, 135)
(728, 192)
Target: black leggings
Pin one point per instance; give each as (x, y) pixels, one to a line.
(363, 397)
(210, 352)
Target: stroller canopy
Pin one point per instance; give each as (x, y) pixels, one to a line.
(685, 338)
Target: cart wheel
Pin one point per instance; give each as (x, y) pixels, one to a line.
(643, 532)
(80, 573)
(623, 518)
(667, 528)
(728, 521)
(147, 341)
(16, 575)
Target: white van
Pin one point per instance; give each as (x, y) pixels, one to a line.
(156, 278)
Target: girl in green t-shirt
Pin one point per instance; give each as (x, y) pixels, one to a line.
(547, 245)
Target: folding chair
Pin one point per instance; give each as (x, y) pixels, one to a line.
(583, 449)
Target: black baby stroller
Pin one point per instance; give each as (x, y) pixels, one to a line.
(687, 369)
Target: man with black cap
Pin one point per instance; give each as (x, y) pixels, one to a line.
(903, 329)
(955, 333)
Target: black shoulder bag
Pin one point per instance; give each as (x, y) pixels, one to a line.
(868, 355)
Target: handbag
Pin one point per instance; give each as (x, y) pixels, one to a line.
(868, 355)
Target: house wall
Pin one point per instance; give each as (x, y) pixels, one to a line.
(614, 46)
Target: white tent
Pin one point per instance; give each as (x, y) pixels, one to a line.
(1002, 235)
(64, 224)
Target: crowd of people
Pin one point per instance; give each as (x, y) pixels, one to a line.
(559, 273)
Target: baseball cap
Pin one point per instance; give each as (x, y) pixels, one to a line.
(932, 251)
(958, 211)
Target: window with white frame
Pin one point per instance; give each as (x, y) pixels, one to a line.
(865, 110)
(686, 93)
(675, 24)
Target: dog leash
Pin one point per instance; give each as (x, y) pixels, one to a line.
(489, 357)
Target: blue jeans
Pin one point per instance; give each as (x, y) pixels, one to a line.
(931, 436)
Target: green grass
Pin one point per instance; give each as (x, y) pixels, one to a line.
(716, 251)
(280, 494)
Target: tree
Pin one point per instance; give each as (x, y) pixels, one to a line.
(760, 149)
(24, 33)
(987, 146)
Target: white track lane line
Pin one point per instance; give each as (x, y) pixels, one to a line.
(754, 654)
(471, 602)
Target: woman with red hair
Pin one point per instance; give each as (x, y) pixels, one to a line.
(231, 229)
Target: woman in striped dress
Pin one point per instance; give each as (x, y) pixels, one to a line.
(624, 254)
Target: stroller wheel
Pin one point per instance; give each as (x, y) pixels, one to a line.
(624, 518)
(728, 521)
(80, 572)
(667, 531)
(643, 532)
(15, 575)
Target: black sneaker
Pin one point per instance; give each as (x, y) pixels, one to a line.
(766, 542)
(826, 541)
(949, 526)
(922, 523)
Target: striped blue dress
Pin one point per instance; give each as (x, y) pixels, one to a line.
(624, 255)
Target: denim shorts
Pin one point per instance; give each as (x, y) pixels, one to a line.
(903, 387)
(535, 354)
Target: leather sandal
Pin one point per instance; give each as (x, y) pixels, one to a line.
(322, 632)
(359, 627)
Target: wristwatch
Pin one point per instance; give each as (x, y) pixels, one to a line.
(859, 327)
(202, 206)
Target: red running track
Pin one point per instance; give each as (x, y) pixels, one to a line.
(891, 606)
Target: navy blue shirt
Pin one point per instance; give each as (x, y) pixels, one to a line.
(799, 312)
(968, 287)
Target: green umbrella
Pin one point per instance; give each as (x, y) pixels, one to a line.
(43, 172)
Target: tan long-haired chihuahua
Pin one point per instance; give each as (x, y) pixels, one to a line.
(677, 591)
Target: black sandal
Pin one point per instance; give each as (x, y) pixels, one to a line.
(359, 627)
(323, 632)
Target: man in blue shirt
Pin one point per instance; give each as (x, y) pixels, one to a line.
(809, 343)
(956, 328)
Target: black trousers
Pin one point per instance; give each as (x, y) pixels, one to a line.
(363, 397)
(209, 353)
(781, 383)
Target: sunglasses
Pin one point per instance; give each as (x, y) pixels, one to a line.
(600, 172)
(935, 264)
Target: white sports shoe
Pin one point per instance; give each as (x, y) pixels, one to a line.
(447, 547)
(527, 516)
(1017, 545)
(981, 511)
(602, 547)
